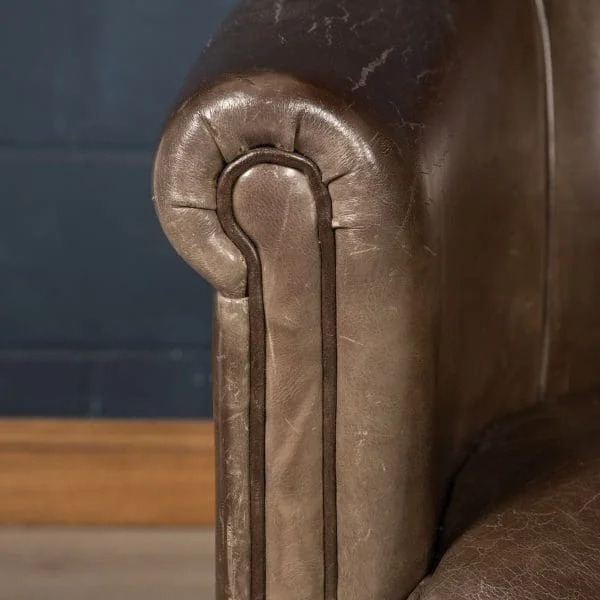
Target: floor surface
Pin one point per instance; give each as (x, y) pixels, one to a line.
(106, 564)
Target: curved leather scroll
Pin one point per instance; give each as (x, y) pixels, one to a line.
(222, 122)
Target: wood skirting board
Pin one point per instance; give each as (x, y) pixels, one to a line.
(106, 472)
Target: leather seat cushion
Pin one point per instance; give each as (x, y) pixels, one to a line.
(524, 516)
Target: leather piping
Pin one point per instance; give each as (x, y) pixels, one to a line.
(549, 257)
(257, 417)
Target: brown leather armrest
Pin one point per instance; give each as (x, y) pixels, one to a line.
(310, 174)
(280, 193)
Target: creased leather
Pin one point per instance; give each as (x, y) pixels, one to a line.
(524, 520)
(187, 165)
(275, 207)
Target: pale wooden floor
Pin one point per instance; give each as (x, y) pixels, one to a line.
(106, 564)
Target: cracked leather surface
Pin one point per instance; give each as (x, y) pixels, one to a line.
(524, 519)
(427, 121)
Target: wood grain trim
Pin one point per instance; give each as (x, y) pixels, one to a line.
(106, 472)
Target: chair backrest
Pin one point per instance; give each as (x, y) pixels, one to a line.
(485, 155)
(511, 174)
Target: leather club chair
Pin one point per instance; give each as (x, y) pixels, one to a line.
(398, 205)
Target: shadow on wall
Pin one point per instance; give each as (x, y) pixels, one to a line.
(97, 315)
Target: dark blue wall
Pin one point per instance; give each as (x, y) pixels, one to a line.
(97, 314)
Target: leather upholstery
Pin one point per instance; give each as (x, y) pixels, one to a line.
(575, 323)
(487, 183)
(274, 205)
(455, 142)
(524, 519)
(439, 82)
(231, 396)
(388, 267)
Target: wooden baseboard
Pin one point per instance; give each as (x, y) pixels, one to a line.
(106, 472)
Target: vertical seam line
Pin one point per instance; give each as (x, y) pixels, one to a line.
(549, 249)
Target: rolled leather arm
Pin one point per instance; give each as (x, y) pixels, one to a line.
(288, 176)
